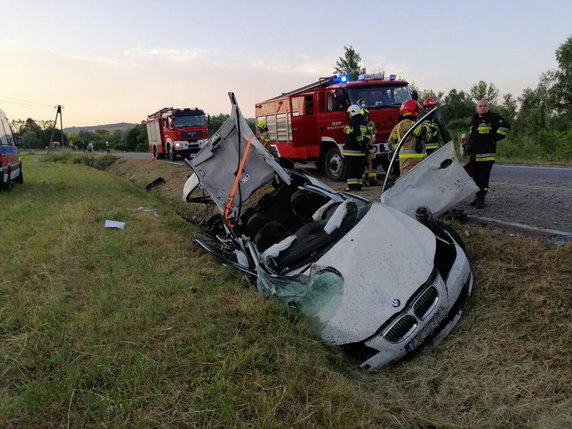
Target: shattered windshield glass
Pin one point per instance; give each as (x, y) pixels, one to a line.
(317, 295)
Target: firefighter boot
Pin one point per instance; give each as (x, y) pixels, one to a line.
(480, 202)
(372, 179)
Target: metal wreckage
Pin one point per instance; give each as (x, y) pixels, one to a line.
(376, 279)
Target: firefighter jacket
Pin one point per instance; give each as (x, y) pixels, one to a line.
(357, 137)
(435, 129)
(412, 151)
(485, 132)
(264, 137)
(371, 131)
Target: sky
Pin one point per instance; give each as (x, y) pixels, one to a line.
(118, 61)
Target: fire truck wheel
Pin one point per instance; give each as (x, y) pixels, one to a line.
(334, 165)
(172, 154)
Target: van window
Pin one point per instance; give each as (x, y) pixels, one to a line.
(5, 133)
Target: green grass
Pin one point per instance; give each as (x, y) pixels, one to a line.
(137, 328)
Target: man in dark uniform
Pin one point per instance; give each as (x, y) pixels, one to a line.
(487, 128)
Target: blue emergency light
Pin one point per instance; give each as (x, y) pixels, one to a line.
(344, 78)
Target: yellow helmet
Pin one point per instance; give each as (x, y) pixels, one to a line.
(261, 124)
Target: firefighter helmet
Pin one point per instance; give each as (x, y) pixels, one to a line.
(429, 102)
(261, 125)
(354, 110)
(409, 108)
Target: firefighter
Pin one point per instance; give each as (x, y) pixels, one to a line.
(354, 148)
(412, 151)
(263, 134)
(487, 128)
(370, 178)
(436, 131)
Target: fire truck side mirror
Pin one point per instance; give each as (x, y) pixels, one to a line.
(415, 95)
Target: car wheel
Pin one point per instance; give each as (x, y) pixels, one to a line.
(334, 164)
(172, 154)
(20, 178)
(438, 229)
(7, 186)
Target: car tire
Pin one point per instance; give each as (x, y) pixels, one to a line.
(7, 185)
(438, 228)
(20, 178)
(172, 154)
(334, 164)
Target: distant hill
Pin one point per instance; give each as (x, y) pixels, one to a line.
(109, 127)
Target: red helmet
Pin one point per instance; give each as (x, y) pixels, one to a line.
(410, 108)
(429, 102)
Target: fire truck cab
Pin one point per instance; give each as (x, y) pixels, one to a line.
(176, 132)
(307, 124)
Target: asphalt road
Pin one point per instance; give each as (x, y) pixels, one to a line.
(534, 199)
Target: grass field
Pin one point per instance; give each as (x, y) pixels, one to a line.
(137, 328)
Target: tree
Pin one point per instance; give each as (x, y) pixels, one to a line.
(482, 90)
(561, 91)
(349, 64)
(429, 93)
(457, 106)
(216, 121)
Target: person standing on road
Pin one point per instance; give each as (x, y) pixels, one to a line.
(487, 128)
(354, 148)
(436, 131)
(412, 151)
(370, 177)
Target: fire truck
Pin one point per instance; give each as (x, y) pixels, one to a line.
(176, 132)
(307, 124)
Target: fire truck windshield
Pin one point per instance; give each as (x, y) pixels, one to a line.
(189, 121)
(379, 95)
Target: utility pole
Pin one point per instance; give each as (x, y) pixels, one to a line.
(58, 112)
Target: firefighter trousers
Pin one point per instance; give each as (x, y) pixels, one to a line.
(482, 173)
(354, 171)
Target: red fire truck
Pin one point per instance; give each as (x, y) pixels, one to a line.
(176, 132)
(307, 124)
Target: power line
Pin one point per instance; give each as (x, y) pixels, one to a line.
(14, 100)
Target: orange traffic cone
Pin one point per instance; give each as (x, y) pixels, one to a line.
(153, 159)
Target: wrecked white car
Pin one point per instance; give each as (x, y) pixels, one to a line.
(373, 278)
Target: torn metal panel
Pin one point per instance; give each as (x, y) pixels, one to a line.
(217, 163)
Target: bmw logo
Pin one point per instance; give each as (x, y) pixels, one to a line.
(396, 303)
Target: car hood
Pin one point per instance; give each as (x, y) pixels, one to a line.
(392, 255)
(233, 148)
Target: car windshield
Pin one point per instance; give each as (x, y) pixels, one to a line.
(189, 121)
(379, 95)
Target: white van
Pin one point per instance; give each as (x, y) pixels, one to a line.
(10, 163)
